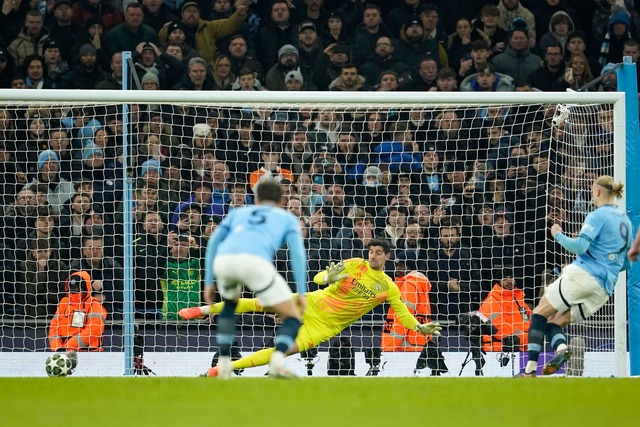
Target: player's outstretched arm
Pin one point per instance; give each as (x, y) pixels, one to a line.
(431, 328)
(335, 273)
(578, 246)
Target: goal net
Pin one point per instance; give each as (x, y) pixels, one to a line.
(463, 188)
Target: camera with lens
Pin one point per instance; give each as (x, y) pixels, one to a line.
(510, 345)
(473, 326)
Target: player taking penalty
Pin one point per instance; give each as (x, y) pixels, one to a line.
(356, 286)
(587, 283)
(241, 253)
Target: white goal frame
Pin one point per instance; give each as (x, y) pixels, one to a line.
(395, 99)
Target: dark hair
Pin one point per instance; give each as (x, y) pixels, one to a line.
(377, 241)
(446, 72)
(479, 45)
(88, 237)
(372, 6)
(246, 70)
(29, 59)
(40, 188)
(576, 34)
(555, 44)
(237, 36)
(39, 244)
(133, 5)
(269, 190)
(280, 1)
(631, 43)
(147, 213)
(45, 211)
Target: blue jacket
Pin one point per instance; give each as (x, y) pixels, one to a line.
(398, 157)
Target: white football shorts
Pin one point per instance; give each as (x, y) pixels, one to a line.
(578, 291)
(234, 271)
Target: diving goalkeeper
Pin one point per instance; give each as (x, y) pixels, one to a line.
(356, 287)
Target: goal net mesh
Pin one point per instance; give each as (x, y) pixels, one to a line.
(464, 194)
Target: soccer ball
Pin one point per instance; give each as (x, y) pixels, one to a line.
(58, 365)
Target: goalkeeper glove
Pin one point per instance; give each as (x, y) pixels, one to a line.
(334, 273)
(431, 328)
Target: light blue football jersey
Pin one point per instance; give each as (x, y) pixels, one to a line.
(259, 230)
(609, 233)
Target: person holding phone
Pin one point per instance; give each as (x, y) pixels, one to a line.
(576, 74)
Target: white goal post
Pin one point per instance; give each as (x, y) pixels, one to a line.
(575, 129)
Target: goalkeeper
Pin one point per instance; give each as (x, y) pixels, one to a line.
(356, 287)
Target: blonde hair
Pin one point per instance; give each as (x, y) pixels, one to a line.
(606, 181)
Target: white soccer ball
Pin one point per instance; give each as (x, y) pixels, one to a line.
(58, 365)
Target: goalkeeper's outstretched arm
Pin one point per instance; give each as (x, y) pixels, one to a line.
(333, 273)
(406, 318)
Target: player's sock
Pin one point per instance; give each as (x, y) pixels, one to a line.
(536, 340)
(555, 336)
(245, 305)
(226, 328)
(286, 335)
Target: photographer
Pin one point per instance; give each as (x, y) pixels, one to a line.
(79, 320)
(508, 313)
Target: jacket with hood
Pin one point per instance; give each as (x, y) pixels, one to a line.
(508, 312)
(611, 46)
(79, 320)
(545, 11)
(551, 37)
(414, 289)
(25, 45)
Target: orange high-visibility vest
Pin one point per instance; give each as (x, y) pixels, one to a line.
(414, 288)
(88, 336)
(508, 312)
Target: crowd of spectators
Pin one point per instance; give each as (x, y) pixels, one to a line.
(487, 45)
(463, 194)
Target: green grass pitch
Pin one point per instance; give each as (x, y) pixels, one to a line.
(326, 402)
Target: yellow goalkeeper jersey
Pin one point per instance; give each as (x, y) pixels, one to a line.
(342, 303)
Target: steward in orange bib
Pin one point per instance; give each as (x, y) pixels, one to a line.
(79, 320)
(506, 310)
(414, 290)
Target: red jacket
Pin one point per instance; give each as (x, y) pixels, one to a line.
(414, 288)
(508, 312)
(90, 315)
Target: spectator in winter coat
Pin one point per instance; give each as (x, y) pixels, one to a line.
(517, 60)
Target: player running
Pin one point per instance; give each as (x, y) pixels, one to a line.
(356, 287)
(241, 253)
(587, 283)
